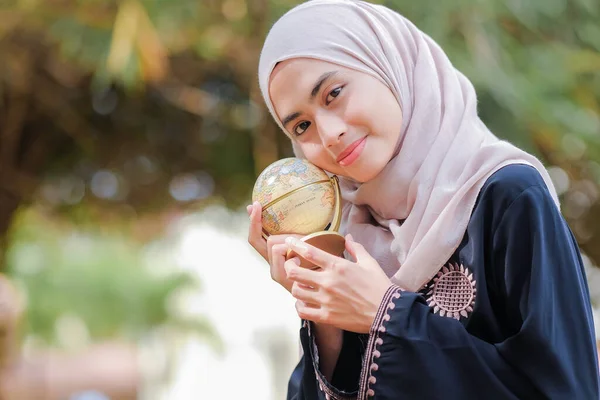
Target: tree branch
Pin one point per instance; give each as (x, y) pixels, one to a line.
(18, 184)
(68, 119)
(11, 129)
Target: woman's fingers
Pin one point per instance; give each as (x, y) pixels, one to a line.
(314, 255)
(305, 293)
(256, 221)
(308, 311)
(276, 262)
(277, 254)
(305, 276)
(277, 259)
(255, 231)
(274, 240)
(273, 249)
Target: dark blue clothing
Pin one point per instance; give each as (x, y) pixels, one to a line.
(508, 317)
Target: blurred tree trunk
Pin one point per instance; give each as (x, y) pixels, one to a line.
(8, 205)
(15, 84)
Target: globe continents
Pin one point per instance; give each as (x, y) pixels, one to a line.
(296, 197)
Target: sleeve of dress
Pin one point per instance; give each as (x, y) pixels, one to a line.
(537, 272)
(308, 383)
(302, 384)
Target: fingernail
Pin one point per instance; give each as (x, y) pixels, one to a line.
(249, 209)
(349, 236)
(296, 260)
(298, 245)
(291, 241)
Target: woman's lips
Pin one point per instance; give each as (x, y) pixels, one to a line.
(352, 152)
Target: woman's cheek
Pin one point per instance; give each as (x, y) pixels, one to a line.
(358, 113)
(315, 153)
(324, 160)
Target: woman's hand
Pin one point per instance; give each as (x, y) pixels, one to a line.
(342, 293)
(273, 250)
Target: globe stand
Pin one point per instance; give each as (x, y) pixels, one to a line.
(329, 241)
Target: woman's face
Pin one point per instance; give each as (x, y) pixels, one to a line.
(344, 121)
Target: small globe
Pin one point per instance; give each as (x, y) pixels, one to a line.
(296, 196)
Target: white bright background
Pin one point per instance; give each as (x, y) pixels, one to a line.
(253, 315)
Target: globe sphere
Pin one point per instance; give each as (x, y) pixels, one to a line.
(296, 196)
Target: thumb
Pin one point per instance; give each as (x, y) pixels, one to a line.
(356, 250)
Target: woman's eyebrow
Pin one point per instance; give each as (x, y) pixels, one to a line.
(315, 90)
(290, 118)
(320, 82)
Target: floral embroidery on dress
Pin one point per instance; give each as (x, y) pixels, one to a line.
(452, 292)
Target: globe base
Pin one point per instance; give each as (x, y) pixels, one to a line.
(329, 241)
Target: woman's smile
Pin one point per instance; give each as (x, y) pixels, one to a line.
(352, 152)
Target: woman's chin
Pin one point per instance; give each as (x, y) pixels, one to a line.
(358, 175)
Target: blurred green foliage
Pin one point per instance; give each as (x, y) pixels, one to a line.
(106, 282)
(535, 65)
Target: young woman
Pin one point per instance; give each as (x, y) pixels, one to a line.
(462, 280)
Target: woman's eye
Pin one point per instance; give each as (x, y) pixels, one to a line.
(301, 128)
(333, 94)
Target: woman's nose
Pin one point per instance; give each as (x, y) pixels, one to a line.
(330, 127)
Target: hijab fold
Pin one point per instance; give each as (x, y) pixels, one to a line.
(413, 215)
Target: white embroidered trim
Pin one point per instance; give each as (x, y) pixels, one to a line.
(329, 395)
(372, 354)
(452, 293)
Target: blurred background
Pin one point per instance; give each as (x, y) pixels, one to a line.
(131, 133)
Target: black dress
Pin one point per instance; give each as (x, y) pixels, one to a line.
(507, 317)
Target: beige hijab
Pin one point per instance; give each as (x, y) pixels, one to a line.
(414, 214)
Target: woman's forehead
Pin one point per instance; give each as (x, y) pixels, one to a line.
(300, 72)
(299, 76)
(302, 64)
